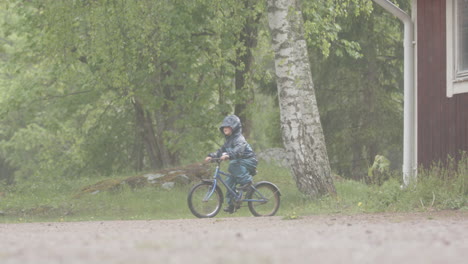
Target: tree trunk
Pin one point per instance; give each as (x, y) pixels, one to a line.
(6, 172)
(138, 153)
(162, 125)
(145, 124)
(300, 121)
(244, 59)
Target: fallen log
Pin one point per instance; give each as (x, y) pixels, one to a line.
(178, 176)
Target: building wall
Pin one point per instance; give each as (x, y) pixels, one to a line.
(442, 121)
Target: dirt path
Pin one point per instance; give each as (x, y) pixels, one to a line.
(378, 238)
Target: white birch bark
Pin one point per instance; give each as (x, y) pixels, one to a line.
(300, 120)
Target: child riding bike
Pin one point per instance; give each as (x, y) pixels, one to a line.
(243, 161)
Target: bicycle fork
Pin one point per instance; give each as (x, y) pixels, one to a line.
(210, 193)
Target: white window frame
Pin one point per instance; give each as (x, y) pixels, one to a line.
(457, 82)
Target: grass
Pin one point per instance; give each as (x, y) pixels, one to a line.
(55, 200)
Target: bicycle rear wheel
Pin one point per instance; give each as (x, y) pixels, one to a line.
(200, 205)
(266, 198)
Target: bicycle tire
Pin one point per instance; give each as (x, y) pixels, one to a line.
(204, 209)
(262, 190)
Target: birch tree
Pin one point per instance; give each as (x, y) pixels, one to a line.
(300, 120)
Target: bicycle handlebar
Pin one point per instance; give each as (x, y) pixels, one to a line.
(218, 160)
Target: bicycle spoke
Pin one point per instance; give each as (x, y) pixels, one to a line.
(201, 204)
(264, 200)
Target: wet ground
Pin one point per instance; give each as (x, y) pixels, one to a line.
(432, 237)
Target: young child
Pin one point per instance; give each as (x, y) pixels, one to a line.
(243, 162)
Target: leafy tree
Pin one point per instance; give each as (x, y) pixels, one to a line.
(105, 79)
(359, 90)
(105, 86)
(120, 85)
(248, 38)
(356, 62)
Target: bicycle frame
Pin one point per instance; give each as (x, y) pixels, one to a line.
(237, 196)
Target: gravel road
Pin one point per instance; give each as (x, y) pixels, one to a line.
(432, 237)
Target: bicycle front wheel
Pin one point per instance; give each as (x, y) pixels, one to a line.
(264, 199)
(202, 206)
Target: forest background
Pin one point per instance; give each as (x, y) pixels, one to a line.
(104, 87)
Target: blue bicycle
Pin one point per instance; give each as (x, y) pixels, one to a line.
(206, 198)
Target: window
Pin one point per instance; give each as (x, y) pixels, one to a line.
(457, 47)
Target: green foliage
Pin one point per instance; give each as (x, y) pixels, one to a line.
(381, 165)
(442, 186)
(359, 91)
(55, 200)
(379, 172)
(85, 84)
(74, 74)
(75, 71)
(266, 128)
(322, 26)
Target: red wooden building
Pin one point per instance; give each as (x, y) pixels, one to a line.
(436, 81)
(442, 79)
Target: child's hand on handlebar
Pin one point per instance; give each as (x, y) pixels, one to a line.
(223, 157)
